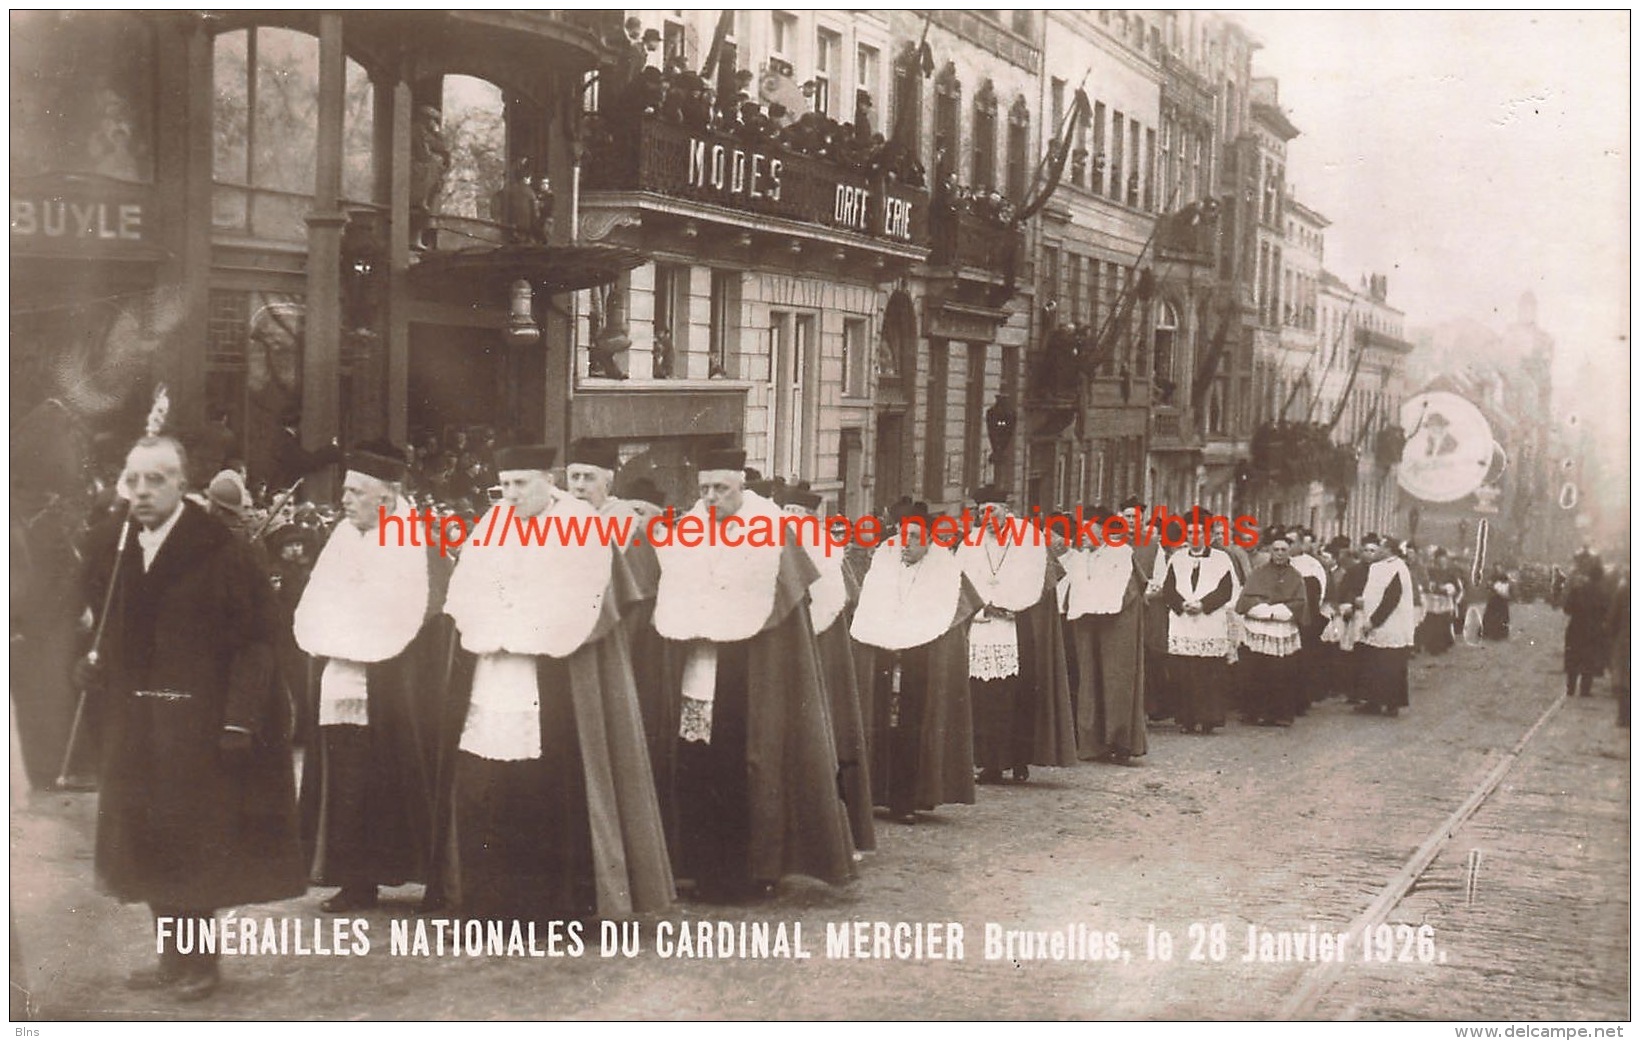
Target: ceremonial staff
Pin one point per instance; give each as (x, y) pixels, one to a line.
(156, 422)
(93, 655)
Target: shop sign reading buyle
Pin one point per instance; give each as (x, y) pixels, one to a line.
(719, 169)
(78, 216)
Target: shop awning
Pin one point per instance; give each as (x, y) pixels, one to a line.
(551, 269)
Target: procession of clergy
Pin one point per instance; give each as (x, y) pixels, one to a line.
(562, 731)
(729, 715)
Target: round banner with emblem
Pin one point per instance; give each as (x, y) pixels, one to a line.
(1449, 447)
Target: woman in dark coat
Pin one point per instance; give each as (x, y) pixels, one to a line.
(197, 808)
(1585, 604)
(1495, 619)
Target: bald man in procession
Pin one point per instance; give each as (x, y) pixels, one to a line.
(756, 788)
(197, 809)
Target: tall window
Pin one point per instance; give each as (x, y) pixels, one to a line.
(725, 323)
(1135, 163)
(265, 131)
(1164, 165)
(1150, 201)
(973, 443)
(1050, 277)
(867, 84)
(947, 94)
(828, 46)
(1099, 160)
(1118, 170)
(475, 128)
(939, 378)
(1276, 298)
(1019, 131)
(1056, 103)
(671, 318)
(1161, 352)
(673, 45)
(985, 137)
(782, 36)
(856, 357)
(791, 343)
(908, 83)
(1073, 274)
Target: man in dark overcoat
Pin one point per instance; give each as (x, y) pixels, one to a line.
(197, 808)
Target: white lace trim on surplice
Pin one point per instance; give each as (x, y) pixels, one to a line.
(699, 691)
(993, 649)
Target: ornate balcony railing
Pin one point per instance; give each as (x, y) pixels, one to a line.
(1166, 425)
(759, 177)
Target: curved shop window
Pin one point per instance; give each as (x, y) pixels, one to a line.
(475, 132)
(266, 131)
(82, 94)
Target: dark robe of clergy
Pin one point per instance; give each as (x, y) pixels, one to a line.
(645, 645)
(1161, 694)
(910, 631)
(1105, 612)
(374, 607)
(1344, 662)
(1311, 682)
(1198, 644)
(1386, 643)
(189, 649)
(1270, 648)
(830, 600)
(755, 790)
(1436, 633)
(549, 812)
(1495, 619)
(1026, 719)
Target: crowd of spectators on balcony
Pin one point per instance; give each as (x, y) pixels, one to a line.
(681, 96)
(986, 202)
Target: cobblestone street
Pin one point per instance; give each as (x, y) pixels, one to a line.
(1250, 829)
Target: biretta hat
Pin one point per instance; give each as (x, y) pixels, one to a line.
(592, 453)
(989, 493)
(723, 459)
(525, 457)
(801, 497)
(375, 463)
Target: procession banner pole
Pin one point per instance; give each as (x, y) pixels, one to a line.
(273, 511)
